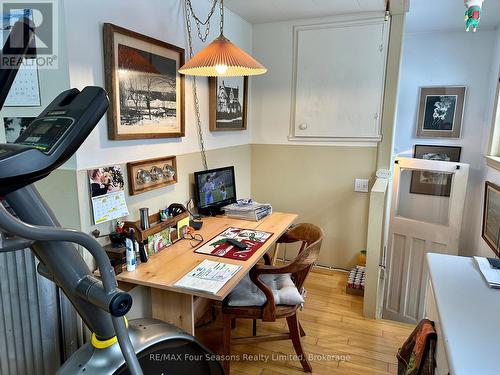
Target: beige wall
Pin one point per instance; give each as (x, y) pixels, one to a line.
(318, 184)
(60, 191)
(187, 164)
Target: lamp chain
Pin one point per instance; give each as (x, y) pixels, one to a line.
(199, 23)
(188, 11)
(221, 16)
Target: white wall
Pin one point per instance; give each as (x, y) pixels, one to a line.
(161, 19)
(444, 59)
(488, 173)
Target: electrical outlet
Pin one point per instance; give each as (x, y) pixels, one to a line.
(361, 185)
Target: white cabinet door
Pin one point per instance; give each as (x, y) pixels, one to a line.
(339, 80)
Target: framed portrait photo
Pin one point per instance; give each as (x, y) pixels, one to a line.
(491, 217)
(433, 183)
(440, 112)
(145, 89)
(228, 103)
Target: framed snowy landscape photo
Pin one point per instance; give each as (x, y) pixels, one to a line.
(228, 103)
(145, 89)
(441, 111)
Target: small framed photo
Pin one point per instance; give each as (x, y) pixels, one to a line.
(491, 217)
(145, 89)
(433, 183)
(228, 103)
(440, 112)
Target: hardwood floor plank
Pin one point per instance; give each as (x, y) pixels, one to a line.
(339, 340)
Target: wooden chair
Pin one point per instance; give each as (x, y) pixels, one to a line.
(311, 237)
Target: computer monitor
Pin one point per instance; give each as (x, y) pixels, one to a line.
(214, 188)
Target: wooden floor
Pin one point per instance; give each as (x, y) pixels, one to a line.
(338, 338)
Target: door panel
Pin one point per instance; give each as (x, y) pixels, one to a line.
(396, 278)
(423, 220)
(416, 258)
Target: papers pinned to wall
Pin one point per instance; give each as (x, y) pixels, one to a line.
(25, 90)
(107, 194)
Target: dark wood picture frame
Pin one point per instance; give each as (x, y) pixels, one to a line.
(418, 187)
(111, 81)
(213, 87)
(136, 187)
(491, 187)
(426, 93)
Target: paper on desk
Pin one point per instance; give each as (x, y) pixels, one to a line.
(208, 276)
(490, 274)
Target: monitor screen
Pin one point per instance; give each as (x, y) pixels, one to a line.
(215, 187)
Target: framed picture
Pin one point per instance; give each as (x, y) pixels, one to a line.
(15, 126)
(228, 103)
(145, 89)
(433, 183)
(441, 112)
(491, 217)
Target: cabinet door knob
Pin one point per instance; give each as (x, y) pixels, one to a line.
(303, 126)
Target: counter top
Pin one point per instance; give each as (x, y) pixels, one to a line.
(469, 314)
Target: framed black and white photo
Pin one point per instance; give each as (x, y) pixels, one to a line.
(441, 112)
(145, 89)
(433, 183)
(15, 126)
(228, 103)
(491, 217)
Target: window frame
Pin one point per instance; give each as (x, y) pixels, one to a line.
(493, 155)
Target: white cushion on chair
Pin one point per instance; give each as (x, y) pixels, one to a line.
(246, 293)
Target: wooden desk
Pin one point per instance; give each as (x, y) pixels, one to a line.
(176, 305)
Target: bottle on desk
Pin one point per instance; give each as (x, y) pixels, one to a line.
(130, 253)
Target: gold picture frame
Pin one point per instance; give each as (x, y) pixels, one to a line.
(228, 102)
(145, 89)
(491, 217)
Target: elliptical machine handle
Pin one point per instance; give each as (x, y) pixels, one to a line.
(11, 224)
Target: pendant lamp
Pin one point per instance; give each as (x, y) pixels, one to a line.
(221, 58)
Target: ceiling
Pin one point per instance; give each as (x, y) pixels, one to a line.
(433, 15)
(424, 15)
(262, 11)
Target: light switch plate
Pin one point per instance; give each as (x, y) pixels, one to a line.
(361, 185)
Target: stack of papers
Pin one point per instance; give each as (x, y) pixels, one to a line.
(491, 275)
(253, 211)
(208, 276)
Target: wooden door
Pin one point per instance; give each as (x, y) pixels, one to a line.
(426, 216)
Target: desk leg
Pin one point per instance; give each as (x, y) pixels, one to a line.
(276, 253)
(174, 308)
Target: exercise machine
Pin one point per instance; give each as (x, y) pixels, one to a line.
(26, 221)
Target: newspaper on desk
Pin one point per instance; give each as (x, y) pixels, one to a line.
(208, 276)
(491, 275)
(247, 209)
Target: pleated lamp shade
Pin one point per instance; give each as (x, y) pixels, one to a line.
(221, 58)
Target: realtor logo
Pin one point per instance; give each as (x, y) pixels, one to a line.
(43, 17)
